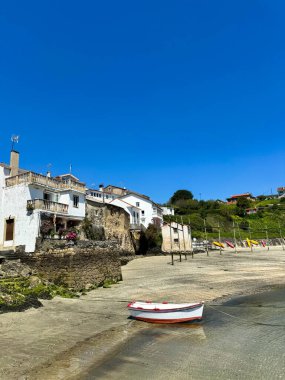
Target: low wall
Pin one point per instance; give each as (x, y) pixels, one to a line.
(84, 264)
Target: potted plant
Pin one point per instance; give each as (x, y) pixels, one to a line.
(71, 237)
(30, 207)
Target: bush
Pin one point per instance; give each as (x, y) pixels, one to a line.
(46, 227)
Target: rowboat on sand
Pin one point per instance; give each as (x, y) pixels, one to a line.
(166, 312)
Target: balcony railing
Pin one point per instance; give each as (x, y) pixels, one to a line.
(39, 179)
(46, 205)
(135, 226)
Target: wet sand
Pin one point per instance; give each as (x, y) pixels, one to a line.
(243, 339)
(69, 339)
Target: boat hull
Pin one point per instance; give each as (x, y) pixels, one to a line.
(168, 316)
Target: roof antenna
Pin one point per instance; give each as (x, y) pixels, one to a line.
(14, 139)
(48, 170)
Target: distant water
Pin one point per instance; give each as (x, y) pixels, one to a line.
(241, 339)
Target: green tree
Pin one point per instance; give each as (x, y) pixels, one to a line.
(242, 204)
(181, 195)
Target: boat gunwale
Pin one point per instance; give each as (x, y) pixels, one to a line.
(158, 310)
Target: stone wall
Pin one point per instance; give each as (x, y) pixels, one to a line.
(78, 266)
(115, 222)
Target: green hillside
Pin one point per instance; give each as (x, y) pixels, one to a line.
(269, 220)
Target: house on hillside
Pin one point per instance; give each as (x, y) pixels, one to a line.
(281, 191)
(167, 210)
(234, 198)
(28, 200)
(142, 210)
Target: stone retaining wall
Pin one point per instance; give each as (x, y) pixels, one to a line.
(78, 266)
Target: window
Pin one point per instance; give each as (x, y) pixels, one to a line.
(175, 230)
(9, 229)
(138, 204)
(142, 212)
(75, 201)
(175, 240)
(47, 196)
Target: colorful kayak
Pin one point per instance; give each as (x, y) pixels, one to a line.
(251, 242)
(248, 242)
(218, 244)
(230, 244)
(166, 312)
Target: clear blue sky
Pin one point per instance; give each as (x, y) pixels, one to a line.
(152, 95)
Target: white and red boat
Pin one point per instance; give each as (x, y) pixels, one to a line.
(166, 312)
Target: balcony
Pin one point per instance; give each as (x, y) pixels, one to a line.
(43, 204)
(135, 226)
(41, 180)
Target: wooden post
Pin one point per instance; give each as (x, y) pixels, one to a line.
(239, 234)
(251, 248)
(266, 232)
(235, 240)
(206, 237)
(183, 238)
(190, 236)
(180, 258)
(281, 237)
(220, 237)
(171, 250)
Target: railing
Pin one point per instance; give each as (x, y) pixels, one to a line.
(46, 205)
(135, 226)
(157, 213)
(39, 179)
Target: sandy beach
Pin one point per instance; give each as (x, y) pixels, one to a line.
(67, 336)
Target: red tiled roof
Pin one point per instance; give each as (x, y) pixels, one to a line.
(240, 195)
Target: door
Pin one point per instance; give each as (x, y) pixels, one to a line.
(9, 230)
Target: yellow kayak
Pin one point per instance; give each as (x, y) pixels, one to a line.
(218, 244)
(248, 242)
(251, 242)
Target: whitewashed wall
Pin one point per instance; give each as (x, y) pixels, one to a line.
(145, 205)
(26, 226)
(67, 198)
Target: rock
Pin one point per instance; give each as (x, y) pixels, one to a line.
(14, 268)
(34, 281)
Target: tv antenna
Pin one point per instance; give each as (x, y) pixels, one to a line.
(14, 139)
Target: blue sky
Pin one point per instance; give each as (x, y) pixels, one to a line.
(154, 95)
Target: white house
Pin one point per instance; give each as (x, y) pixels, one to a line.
(142, 210)
(28, 199)
(167, 210)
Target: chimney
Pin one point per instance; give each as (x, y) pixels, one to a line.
(101, 187)
(14, 163)
(48, 173)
